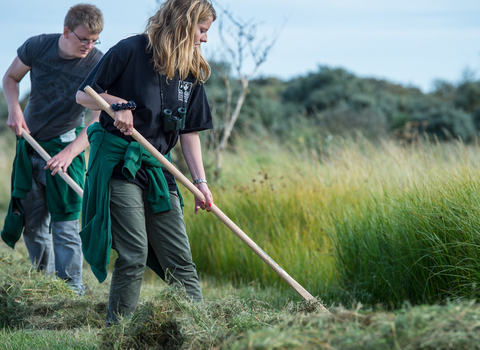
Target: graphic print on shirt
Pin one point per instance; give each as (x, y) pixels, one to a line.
(184, 90)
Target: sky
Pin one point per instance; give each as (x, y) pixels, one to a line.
(410, 42)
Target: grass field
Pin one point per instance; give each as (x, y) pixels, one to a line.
(372, 223)
(385, 234)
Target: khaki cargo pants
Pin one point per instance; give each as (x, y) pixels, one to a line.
(133, 227)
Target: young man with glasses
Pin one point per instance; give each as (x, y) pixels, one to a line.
(58, 64)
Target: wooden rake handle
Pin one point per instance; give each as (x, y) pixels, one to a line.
(47, 157)
(198, 194)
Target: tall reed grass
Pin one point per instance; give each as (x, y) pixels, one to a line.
(420, 241)
(375, 223)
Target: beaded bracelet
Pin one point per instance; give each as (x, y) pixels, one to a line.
(198, 181)
(122, 106)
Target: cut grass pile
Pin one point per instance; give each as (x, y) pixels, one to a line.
(453, 326)
(39, 312)
(34, 300)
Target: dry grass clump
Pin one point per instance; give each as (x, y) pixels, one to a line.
(40, 312)
(454, 326)
(33, 300)
(171, 321)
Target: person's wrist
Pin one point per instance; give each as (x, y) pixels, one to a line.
(130, 105)
(199, 181)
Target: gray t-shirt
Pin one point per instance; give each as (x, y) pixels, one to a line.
(52, 110)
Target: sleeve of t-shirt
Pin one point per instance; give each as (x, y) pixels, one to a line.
(199, 115)
(28, 50)
(105, 73)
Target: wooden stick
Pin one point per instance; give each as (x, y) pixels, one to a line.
(47, 157)
(198, 194)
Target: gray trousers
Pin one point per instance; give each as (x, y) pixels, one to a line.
(134, 226)
(64, 256)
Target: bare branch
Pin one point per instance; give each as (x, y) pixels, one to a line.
(225, 42)
(246, 43)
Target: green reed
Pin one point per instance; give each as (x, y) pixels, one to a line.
(419, 245)
(376, 223)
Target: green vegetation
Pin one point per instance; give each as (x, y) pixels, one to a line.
(377, 224)
(421, 245)
(377, 217)
(336, 102)
(46, 314)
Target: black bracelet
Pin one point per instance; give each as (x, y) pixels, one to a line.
(122, 106)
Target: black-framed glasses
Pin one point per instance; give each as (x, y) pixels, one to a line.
(86, 42)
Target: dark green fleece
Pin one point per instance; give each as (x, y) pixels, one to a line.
(106, 151)
(63, 202)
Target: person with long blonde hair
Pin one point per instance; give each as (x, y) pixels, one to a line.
(154, 82)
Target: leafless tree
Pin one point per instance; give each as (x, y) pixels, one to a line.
(241, 46)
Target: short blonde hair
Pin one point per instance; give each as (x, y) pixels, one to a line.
(84, 14)
(170, 34)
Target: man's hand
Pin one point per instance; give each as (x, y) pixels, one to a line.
(61, 161)
(16, 121)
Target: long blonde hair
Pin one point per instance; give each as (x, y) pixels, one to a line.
(170, 34)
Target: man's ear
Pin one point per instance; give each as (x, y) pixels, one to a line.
(65, 32)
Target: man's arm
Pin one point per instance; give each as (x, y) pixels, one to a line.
(11, 80)
(123, 120)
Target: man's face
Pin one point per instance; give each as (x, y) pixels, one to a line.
(80, 41)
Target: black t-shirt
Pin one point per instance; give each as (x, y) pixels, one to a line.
(127, 71)
(52, 109)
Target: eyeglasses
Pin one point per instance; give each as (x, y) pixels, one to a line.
(86, 42)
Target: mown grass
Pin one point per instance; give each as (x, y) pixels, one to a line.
(49, 339)
(454, 326)
(165, 319)
(31, 300)
(39, 311)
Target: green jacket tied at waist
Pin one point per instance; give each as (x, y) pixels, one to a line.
(106, 151)
(63, 202)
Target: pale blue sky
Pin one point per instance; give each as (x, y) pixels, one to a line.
(411, 42)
